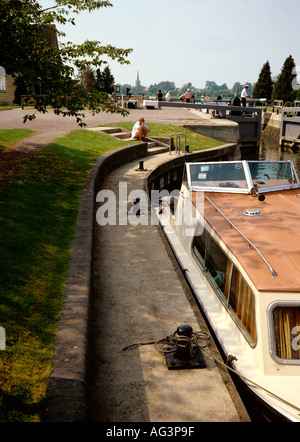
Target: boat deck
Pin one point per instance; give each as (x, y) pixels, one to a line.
(275, 235)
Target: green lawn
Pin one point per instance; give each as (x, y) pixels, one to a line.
(38, 211)
(194, 140)
(9, 107)
(9, 137)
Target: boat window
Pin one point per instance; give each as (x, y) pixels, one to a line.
(271, 173)
(286, 322)
(199, 246)
(220, 175)
(241, 302)
(227, 282)
(216, 264)
(212, 260)
(241, 176)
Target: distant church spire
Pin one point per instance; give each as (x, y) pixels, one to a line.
(137, 83)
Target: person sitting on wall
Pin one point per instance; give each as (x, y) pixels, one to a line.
(236, 102)
(187, 96)
(140, 130)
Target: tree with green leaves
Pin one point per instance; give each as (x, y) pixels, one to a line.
(264, 86)
(26, 53)
(105, 81)
(185, 87)
(86, 77)
(164, 86)
(283, 89)
(237, 88)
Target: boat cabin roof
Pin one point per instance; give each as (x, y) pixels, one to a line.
(263, 234)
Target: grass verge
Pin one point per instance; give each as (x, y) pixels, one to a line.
(9, 107)
(194, 140)
(9, 137)
(38, 212)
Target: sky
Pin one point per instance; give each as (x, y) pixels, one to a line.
(194, 40)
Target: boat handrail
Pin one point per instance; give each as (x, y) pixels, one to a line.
(274, 274)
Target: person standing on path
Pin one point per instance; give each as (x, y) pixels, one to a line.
(244, 95)
(159, 96)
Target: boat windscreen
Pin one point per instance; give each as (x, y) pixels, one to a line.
(271, 173)
(218, 175)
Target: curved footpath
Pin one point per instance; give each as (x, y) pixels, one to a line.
(141, 296)
(50, 126)
(137, 294)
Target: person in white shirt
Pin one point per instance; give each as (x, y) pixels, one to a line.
(168, 96)
(244, 95)
(140, 130)
(187, 96)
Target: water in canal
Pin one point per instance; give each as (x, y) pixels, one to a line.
(270, 150)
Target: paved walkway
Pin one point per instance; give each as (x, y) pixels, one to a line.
(140, 296)
(50, 126)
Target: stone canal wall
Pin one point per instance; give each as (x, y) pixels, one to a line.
(271, 124)
(228, 132)
(68, 383)
(69, 380)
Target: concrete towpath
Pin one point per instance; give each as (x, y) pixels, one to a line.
(56, 125)
(140, 296)
(49, 126)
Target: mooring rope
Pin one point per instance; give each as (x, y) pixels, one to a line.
(183, 341)
(177, 341)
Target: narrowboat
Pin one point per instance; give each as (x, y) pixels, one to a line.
(235, 229)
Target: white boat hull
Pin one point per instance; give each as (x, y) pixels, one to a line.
(280, 394)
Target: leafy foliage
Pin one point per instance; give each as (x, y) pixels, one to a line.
(86, 77)
(264, 86)
(25, 52)
(39, 208)
(283, 89)
(105, 81)
(164, 86)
